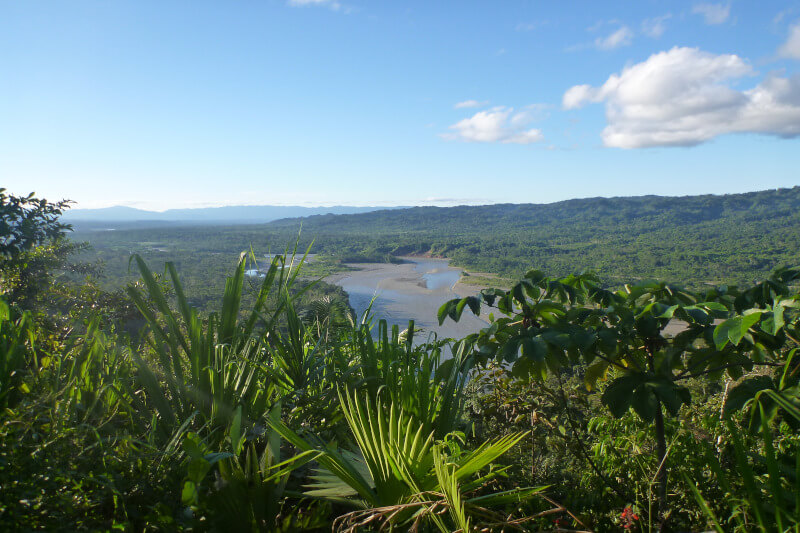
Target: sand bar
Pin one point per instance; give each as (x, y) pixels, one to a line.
(414, 289)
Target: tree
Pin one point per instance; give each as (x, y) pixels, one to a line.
(26, 222)
(33, 247)
(555, 325)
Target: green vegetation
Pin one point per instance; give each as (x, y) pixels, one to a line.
(573, 410)
(203, 272)
(695, 240)
(735, 238)
(573, 327)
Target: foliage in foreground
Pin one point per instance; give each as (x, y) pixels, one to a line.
(577, 408)
(186, 429)
(574, 325)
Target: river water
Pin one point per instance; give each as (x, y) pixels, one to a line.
(414, 289)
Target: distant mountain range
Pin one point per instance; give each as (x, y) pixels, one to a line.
(254, 214)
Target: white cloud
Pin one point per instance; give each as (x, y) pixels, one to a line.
(469, 103)
(600, 23)
(498, 124)
(713, 13)
(782, 14)
(791, 48)
(622, 37)
(577, 96)
(530, 26)
(683, 97)
(454, 201)
(332, 4)
(655, 27)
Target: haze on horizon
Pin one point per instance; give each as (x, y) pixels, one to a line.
(336, 102)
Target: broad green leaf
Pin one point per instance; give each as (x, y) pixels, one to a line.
(509, 351)
(189, 493)
(582, 338)
(531, 290)
(193, 446)
(671, 395)
(595, 372)
(662, 310)
(697, 314)
(535, 276)
(447, 309)
(197, 469)
(745, 391)
(522, 368)
(713, 306)
(734, 329)
(644, 402)
(534, 347)
(618, 395)
(474, 305)
(471, 301)
(776, 321)
(519, 293)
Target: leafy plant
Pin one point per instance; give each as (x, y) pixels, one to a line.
(210, 367)
(552, 325)
(398, 466)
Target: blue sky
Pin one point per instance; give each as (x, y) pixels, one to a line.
(308, 102)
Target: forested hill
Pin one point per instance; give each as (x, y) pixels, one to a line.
(731, 238)
(644, 212)
(694, 240)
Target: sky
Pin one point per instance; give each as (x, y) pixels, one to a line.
(158, 105)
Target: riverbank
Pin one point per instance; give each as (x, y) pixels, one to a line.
(414, 289)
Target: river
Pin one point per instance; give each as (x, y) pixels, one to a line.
(414, 289)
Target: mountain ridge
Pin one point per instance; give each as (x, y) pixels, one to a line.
(241, 213)
(687, 209)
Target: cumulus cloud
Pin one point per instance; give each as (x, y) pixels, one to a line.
(713, 13)
(791, 48)
(622, 37)
(469, 103)
(684, 97)
(655, 27)
(499, 124)
(578, 95)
